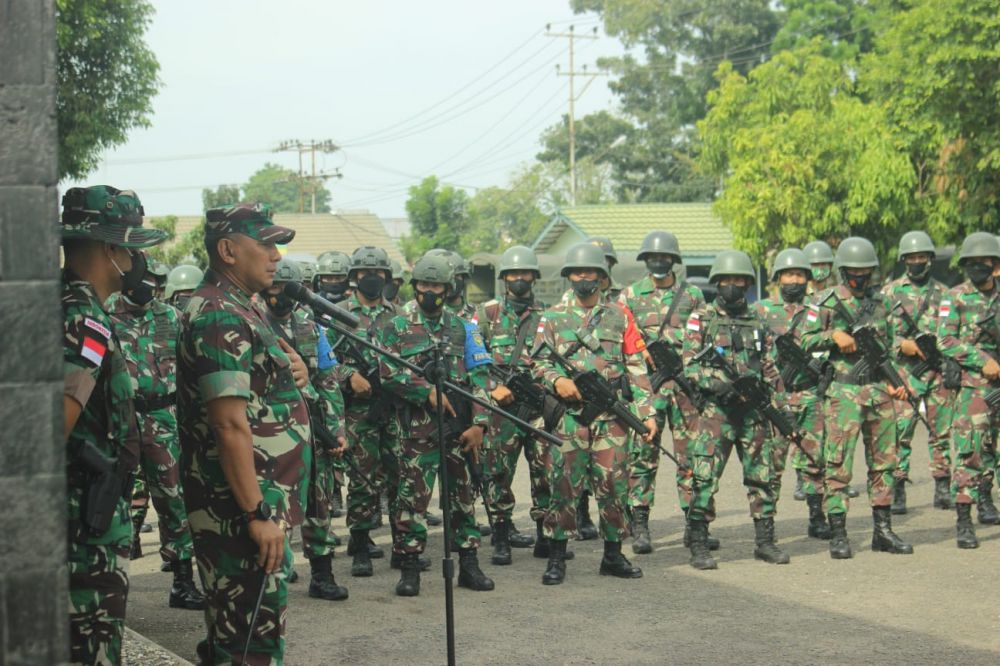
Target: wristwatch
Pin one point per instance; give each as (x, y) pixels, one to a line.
(261, 512)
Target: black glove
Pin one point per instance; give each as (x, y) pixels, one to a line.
(724, 393)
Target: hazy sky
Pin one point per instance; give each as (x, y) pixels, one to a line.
(456, 88)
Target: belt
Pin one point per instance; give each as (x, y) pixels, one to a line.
(856, 380)
(146, 405)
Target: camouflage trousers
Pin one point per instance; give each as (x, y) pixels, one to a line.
(419, 461)
(974, 433)
(850, 410)
(318, 538)
(374, 452)
(594, 456)
(719, 433)
(231, 579)
(506, 444)
(159, 467)
(98, 592)
(938, 401)
(682, 417)
(807, 456)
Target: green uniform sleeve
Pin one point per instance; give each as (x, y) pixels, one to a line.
(223, 353)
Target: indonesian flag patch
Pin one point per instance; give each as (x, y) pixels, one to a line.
(93, 350)
(813, 314)
(541, 326)
(944, 310)
(694, 322)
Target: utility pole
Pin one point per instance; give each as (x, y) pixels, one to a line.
(311, 147)
(573, 97)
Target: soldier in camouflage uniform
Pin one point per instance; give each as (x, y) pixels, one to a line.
(181, 283)
(101, 226)
(371, 421)
(392, 287)
(741, 337)
(244, 433)
(147, 329)
(413, 336)
(508, 325)
(859, 398)
(661, 305)
(820, 257)
(919, 295)
(967, 334)
(296, 326)
(330, 280)
(591, 333)
(785, 316)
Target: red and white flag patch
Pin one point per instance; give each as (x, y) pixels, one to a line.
(97, 326)
(541, 325)
(694, 322)
(93, 350)
(944, 310)
(813, 315)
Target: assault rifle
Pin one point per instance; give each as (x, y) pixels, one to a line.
(328, 441)
(926, 342)
(794, 360)
(874, 355)
(378, 412)
(670, 367)
(755, 394)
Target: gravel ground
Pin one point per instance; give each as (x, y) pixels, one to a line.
(935, 606)
(137, 650)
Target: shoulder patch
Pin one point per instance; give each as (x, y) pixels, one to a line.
(694, 322)
(541, 325)
(812, 314)
(95, 325)
(93, 350)
(944, 310)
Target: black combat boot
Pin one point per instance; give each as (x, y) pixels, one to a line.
(942, 492)
(165, 567)
(883, 538)
(641, 543)
(361, 564)
(184, 593)
(555, 572)
(542, 544)
(518, 540)
(585, 528)
(615, 564)
(818, 527)
(800, 493)
(899, 497)
(965, 531)
(852, 492)
(701, 558)
(710, 541)
(374, 552)
(765, 549)
(409, 579)
(501, 543)
(293, 575)
(433, 519)
(321, 583)
(988, 514)
(840, 547)
(469, 573)
(337, 509)
(135, 552)
(396, 561)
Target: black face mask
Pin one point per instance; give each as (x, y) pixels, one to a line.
(857, 282)
(793, 293)
(371, 286)
(659, 268)
(142, 294)
(519, 288)
(919, 272)
(585, 288)
(334, 292)
(429, 302)
(390, 291)
(280, 304)
(733, 298)
(132, 278)
(978, 272)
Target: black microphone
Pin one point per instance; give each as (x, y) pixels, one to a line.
(296, 291)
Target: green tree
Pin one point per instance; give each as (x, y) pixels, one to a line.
(848, 26)
(220, 196)
(190, 247)
(505, 216)
(106, 78)
(280, 187)
(439, 217)
(936, 72)
(803, 156)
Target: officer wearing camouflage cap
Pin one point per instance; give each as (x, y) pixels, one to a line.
(244, 480)
(101, 231)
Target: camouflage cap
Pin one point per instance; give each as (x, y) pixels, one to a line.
(105, 213)
(249, 219)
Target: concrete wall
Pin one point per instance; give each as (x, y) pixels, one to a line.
(33, 575)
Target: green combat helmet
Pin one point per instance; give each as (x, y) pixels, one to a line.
(288, 270)
(433, 268)
(818, 252)
(914, 242)
(732, 262)
(369, 256)
(183, 278)
(856, 252)
(660, 242)
(107, 214)
(788, 258)
(979, 244)
(159, 270)
(603, 242)
(308, 270)
(397, 270)
(519, 258)
(584, 255)
(331, 263)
